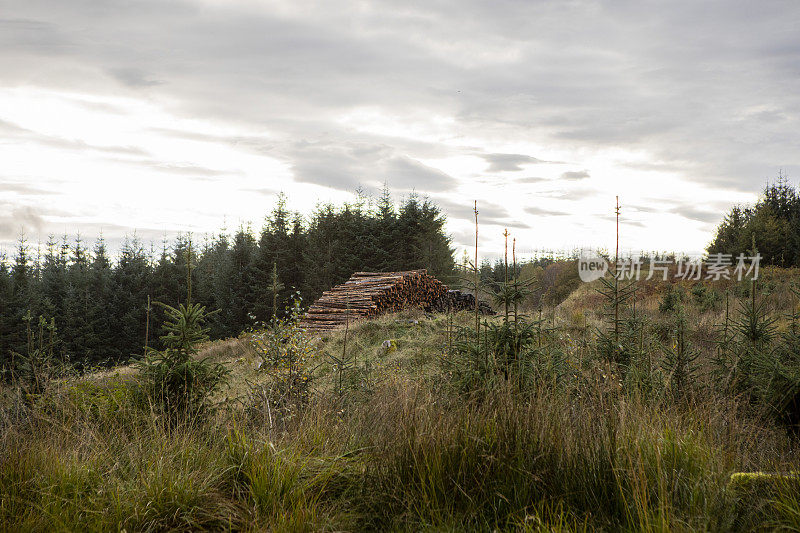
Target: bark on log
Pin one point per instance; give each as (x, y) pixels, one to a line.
(368, 294)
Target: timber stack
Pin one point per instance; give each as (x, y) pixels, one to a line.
(368, 294)
(455, 300)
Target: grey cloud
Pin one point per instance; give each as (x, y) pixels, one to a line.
(531, 179)
(700, 215)
(133, 77)
(575, 175)
(463, 238)
(24, 219)
(508, 162)
(639, 95)
(488, 213)
(29, 35)
(185, 169)
(99, 106)
(257, 144)
(407, 173)
(709, 213)
(264, 191)
(540, 211)
(699, 87)
(23, 189)
(623, 221)
(569, 191)
(14, 131)
(350, 166)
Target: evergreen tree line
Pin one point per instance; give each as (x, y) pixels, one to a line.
(100, 305)
(772, 224)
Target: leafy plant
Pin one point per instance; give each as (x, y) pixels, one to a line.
(286, 354)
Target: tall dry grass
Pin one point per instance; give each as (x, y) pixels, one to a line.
(89, 457)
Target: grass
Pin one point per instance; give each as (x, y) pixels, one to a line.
(402, 451)
(408, 459)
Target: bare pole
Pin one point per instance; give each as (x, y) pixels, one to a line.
(477, 278)
(616, 284)
(189, 274)
(147, 326)
(514, 258)
(505, 286)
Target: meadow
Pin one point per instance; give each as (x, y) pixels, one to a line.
(414, 421)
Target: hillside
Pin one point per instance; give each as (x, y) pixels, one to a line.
(397, 423)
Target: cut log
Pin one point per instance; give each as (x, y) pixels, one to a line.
(369, 294)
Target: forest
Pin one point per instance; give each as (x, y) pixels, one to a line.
(772, 224)
(95, 306)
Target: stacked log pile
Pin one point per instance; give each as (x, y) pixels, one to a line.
(455, 300)
(368, 294)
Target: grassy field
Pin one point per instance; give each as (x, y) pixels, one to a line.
(387, 431)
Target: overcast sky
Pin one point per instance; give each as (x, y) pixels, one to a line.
(163, 117)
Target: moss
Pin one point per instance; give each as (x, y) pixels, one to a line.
(762, 484)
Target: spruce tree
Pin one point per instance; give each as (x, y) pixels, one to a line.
(21, 292)
(130, 288)
(99, 345)
(241, 276)
(75, 327)
(273, 250)
(6, 326)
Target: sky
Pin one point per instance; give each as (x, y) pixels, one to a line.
(160, 117)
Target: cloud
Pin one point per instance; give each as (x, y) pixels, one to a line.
(133, 77)
(15, 132)
(575, 175)
(509, 162)
(488, 213)
(623, 221)
(19, 220)
(531, 180)
(264, 191)
(540, 211)
(406, 173)
(694, 89)
(185, 169)
(25, 189)
(31, 36)
(700, 215)
(347, 167)
(569, 191)
(711, 214)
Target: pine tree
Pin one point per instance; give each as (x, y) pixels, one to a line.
(212, 283)
(387, 233)
(130, 288)
(295, 264)
(273, 250)
(21, 291)
(323, 268)
(6, 326)
(75, 327)
(99, 345)
(54, 281)
(241, 276)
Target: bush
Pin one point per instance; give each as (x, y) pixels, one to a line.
(671, 299)
(286, 354)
